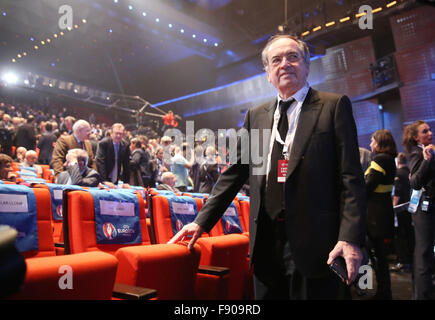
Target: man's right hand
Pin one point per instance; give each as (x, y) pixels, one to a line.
(193, 229)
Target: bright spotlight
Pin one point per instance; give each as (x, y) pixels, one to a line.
(10, 78)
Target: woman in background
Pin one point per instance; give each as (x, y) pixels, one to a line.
(417, 139)
(379, 178)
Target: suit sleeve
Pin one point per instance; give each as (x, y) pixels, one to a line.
(353, 194)
(91, 161)
(59, 155)
(100, 159)
(90, 180)
(225, 189)
(419, 169)
(126, 164)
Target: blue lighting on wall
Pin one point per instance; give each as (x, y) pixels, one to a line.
(262, 39)
(229, 105)
(205, 91)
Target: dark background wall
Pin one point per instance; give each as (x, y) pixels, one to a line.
(343, 69)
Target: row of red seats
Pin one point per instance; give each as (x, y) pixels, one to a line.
(217, 247)
(172, 270)
(47, 173)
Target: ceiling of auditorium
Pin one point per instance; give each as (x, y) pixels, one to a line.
(137, 46)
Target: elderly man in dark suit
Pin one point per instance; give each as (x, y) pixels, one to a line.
(308, 207)
(113, 157)
(79, 139)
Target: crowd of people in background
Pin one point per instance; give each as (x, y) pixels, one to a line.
(32, 137)
(83, 152)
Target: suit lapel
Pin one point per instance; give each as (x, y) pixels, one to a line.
(265, 121)
(307, 120)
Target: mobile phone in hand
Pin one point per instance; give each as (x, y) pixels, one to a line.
(338, 266)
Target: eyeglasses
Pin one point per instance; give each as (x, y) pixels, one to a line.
(290, 57)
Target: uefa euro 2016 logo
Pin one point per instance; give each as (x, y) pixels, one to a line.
(109, 231)
(59, 210)
(232, 227)
(179, 225)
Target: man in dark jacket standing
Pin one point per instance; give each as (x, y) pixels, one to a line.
(113, 157)
(307, 196)
(26, 135)
(46, 144)
(140, 164)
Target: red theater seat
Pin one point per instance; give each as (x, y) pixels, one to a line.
(43, 279)
(221, 250)
(170, 269)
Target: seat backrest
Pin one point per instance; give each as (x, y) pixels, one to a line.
(28, 211)
(15, 166)
(81, 221)
(231, 221)
(47, 173)
(56, 195)
(170, 213)
(203, 196)
(244, 208)
(27, 174)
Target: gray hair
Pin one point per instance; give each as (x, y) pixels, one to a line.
(79, 125)
(303, 47)
(79, 153)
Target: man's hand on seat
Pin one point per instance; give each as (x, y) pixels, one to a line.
(193, 229)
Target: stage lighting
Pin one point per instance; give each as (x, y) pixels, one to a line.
(10, 78)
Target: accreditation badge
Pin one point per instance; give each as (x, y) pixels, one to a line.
(282, 170)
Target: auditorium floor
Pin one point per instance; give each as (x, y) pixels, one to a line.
(401, 284)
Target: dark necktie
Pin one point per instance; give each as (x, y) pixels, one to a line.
(274, 195)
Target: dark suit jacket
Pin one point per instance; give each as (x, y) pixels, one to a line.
(45, 145)
(422, 172)
(105, 159)
(63, 144)
(26, 137)
(324, 189)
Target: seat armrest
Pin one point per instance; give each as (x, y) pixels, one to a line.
(213, 270)
(128, 292)
(59, 245)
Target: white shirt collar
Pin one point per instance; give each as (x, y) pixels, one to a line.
(299, 95)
